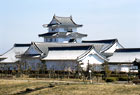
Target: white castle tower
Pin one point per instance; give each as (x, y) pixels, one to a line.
(62, 30)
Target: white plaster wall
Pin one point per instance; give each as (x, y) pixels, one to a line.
(59, 40)
(45, 39)
(32, 50)
(8, 66)
(97, 67)
(50, 30)
(32, 64)
(63, 39)
(61, 30)
(92, 59)
(79, 40)
(66, 40)
(115, 68)
(123, 68)
(113, 48)
(74, 29)
(53, 21)
(61, 65)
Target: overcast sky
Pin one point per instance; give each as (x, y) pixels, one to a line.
(21, 20)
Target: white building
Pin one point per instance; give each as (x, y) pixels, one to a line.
(9, 60)
(62, 56)
(122, 59)
(106, 47)
(63, 49)
(62, 30)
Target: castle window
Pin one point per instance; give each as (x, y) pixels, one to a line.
(70, 30)
(53, 29)
(72, 40)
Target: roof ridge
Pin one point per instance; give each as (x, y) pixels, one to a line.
(61, 16)
(37, 47)
(102, 40)
(85, 53)
(128, 50)
(21, 45)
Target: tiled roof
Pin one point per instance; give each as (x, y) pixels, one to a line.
(51, 47)
(48, 34)
(126, 55)
(63, 21)
(128, 50)
(43, 46)
(106, 41)
(64, 54)
(70, 53)
(105, 44)
(71, 48)
(102, 45)
(55, 44)
(10, 56)
(22, 45)
(62, 49)
(62, 34)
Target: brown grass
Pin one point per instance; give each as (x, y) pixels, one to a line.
(90, 89)
(8, 87)
(15, 86)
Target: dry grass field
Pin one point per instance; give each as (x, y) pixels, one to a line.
(42, 87)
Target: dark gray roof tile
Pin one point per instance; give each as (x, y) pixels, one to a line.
(106, 41)
(63, 34)
(63, 21)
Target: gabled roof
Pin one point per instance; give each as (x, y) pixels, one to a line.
(63, 51)
(91, 52)
(62, 34)
(10, 56)
(126, 55)
(66, 53)
(45, 46)
(62, 21)
(103, 44)
(106, 41)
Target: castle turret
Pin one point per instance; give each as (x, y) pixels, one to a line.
(63, 30)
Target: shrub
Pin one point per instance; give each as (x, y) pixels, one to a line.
(51, 85)
(111, 79)
(126, 78)
(136, 81)
(123, 79)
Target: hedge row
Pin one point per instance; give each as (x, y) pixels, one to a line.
(113, 79)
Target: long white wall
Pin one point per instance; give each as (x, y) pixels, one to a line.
(61, 65)
(32, 64)
(9, 66)
(123, 68)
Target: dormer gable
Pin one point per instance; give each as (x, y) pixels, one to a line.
(33, 50)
